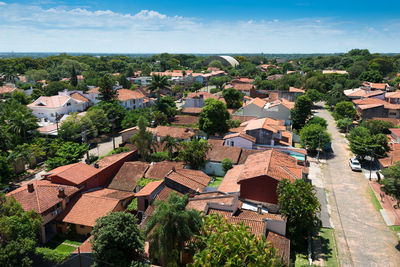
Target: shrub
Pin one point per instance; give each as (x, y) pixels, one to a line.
(159, 156)
(52, 256)
(227, 164)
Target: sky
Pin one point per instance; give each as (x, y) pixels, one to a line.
(218, 26)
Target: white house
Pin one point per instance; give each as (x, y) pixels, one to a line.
(130, 99)
(49, 107)
(240, 139)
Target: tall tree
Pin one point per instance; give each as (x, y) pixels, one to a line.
(225, 244)
(159, 83)
(142, 139)
(301, 111)
(391, 183)
(314, 136)
(74, 77)
(219, 82)
(68, 153)
(123, 81)
(170, 145)
(214, 117)
(22, 122)
(107, 92)
(170, 227)
(345, 109)
(123, 247)
(233, 98)
(299, 204)
(194, 153)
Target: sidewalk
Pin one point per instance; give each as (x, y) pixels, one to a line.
(387, 203)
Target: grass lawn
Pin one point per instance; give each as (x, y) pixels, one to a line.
(216, 181)
(60, 243)
(395, 228)
(329, 247)
(375, 201)
(297, 145)
(301, 260)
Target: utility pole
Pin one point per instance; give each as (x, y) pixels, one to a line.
(319, 145)
(112, 120)
(84, 139)
(370, 165)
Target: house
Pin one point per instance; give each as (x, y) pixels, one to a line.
(372, 107)
(185, 120)
(148, 193)
(158, 170)
(7, 89)
(393, 97)
(263, 171)
(191, 111)
(130, 99)
(260, 108)
(244, 85)
(49, 107)
(93, 94)
(342, 72)
(187, 181)
(197, 99)
(84, 210)
(79, 96)
(178, 133)
(254, 108)
(46, 199)
(128, 175)
(358, 93)
(229, 183)
(240, 139)
(216, 154)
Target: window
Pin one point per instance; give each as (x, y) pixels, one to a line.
(392, 113)
(232, 143)
(52, 115)
(68, 104)
(82, 226)
(58, 205)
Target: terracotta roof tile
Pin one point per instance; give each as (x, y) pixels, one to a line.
(242, 118)
(381, 86)
(174, 132)
(94, 90)
(6, 89)
(219, 153)
(128, 175)
(191, 110)
(295, 90)
(158, 170)
(126, 94)
(229, 183)
(185, 120)
(43, 197)
(258, 102)
(192, 179)
(79, 97)
(76, 173)
(54, 101)
(281, 243)
(247, 152)
(199, 202)
(85, 247)
(149, 188)
(110, 160)
(215, 142)
(242, 135)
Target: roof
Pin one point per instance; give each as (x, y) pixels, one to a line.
(185, 120)
(110, 160)
(55, 101)
(286, 103)
(393, 94)
(85, 247)
(272, 163)
(149, 188)
(395, 131)
(281, 243)
(258, 102)
(295, 90)
(94, 90)
(43, 197)
(76, 173)
(128, 175)
(158, 170)
(242, 135)
(48, 128)
(191, 110)
(192, 179)
(204, 95)
(243, 86)
(174, 132)
(126, 94)
(229, 183)
(247, 152)
(219, 153)
(199, 202)
(381, 86)
(215, 142)
(79, 97)
(230, 60)
(7, 89)
(269, 124)
(243, 118)
(93, 205)
(393, 120)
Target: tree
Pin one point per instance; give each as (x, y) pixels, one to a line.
(344, 124)
(232, 97)
(301, 111)
(319, 121)
(344, 109)
(159, 83)
(68, 153)
(74, 77)
(170, 145)
(378, 126)
(194, 153)
(213, 117)
(227, 164)
(299, 204)
(19, 232)
(216, 64)
(314, 136)
(220, 81)
(363, 144)
(99, 119)
(123, 247)
(225, 244)
(314, 95)
(167, 106)
(142, 139)
(6, 170)
(107, 92)
(123, 81)
(371, 76)
(391, 183)
(22, 122)
(54, 87)
(170, 227)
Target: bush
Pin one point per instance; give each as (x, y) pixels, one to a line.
(133, 205)
(214, 90)
(159, 156)
(319, 121)
(52, 256)
(227, 164)
(344, 124)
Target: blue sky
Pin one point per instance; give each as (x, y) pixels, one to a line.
(251, 26)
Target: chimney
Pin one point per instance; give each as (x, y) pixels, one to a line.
(259, 209)
(61, 192)
(96, 165)
(173, 169)
(30, 187)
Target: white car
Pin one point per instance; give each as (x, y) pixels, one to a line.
(354, 164)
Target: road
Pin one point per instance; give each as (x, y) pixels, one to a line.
(362, 236)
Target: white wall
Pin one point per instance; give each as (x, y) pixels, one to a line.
(213, 169)
(50, 113)
(239, 142)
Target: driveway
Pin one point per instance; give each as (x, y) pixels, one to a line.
(103, 148)
(363, 239)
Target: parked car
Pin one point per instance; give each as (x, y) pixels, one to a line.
(354, 164)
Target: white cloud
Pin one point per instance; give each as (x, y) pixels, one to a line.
(3, 4)
(34, 28)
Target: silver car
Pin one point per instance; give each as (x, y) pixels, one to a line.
(354, 164)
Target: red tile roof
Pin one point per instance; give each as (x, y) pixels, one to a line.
(85, 247)
(43, 197)
(94, 90)
(242, 135)
(158, 170)
(79, 97)
(174, 132)
(381, 86)
(295, 90)
(76, 173)
(219, 153)
(54, 101)
(272, 163)
(258, 102)
(149, 188)
(126, 94)
(192, 179)
(185, 120)
(229, 183)
(281, 243)
(191, 110)
(128, 175)
(7, 89)
(199, 202)
(110, 160)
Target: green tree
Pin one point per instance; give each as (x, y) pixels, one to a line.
(22, 122)
(363, 143)
(170, 227)
(232, 97)
(319, 121)
(344, 124)
(225, 244)
(371, 76)
(344, 109)
(170, 144)
(74, 77)
(107, 92)
(194, 153)
(68, 153)
(314, 95)
(378, 126)
(314, 136)
(19, 232)
(301, 111)
(123, 247)
(159, 83)
(216, 64)
(123, 81)
(213, 117)
(54, 87)
(142, 139)
(99, 119)
(299, 204)
(220, 81)
(6, 170)
(227, 164)
(167, 106)
(391, 183)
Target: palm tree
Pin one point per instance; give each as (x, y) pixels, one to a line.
(142, 139)
(21, 122)
(159, 83)
(170, 227)
(170, 145)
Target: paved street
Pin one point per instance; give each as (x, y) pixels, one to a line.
(363, 238)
